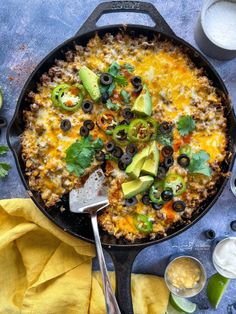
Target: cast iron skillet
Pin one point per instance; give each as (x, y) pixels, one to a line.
(122, 252)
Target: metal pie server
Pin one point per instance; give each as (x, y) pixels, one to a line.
(89, 199)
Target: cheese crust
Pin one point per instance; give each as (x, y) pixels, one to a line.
(177, 88)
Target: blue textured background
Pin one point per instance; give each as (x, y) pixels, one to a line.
(30, 29)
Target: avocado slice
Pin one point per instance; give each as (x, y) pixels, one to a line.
(134, 169)
(136, 186)
(143, 104)
(151, 163)
(90, 82)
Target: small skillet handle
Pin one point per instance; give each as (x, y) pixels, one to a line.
(126, 6)
(123, 260)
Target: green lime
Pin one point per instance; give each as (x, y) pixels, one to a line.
(171, 310)
(215, 289)
(182, 304)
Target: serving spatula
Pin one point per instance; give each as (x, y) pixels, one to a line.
(89, 199)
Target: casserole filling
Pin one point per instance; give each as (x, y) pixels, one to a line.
(140, 109)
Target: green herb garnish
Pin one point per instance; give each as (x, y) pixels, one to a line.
(109, 88)
(129, 67)
(121, 80)
(80, 154)
(110, 157)
(165, 139)
(199, 163)
(4, 169)
(114, 70)
(3, 150)
(110, 105)
(185, 125)
(125, 95)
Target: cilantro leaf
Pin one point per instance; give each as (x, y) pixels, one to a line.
(110, 105)
(129, 67)
(125, 95)
(110, 157)
(108, 88)
(4, 169)
(3, 150)
(98, 143)
(114, 69)
(165, 139)
(111, 88)
(185, 125)
(121, 80)
(80, 154)
(199, 163)
(103, 88)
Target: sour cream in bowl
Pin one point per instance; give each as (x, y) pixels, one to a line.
(224, 257)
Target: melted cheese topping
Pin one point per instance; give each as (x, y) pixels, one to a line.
(177, 88)
(213, 144)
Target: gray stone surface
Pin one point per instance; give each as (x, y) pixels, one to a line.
(29, 30)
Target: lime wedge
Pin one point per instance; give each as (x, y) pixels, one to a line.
(171, 310)
(1, 98)
(143, 104)
(182, 304)
(215, 289)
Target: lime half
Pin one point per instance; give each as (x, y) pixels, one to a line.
(182, 304)
(171, 310)
(215, 289)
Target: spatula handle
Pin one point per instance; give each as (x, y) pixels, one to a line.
(110, 299)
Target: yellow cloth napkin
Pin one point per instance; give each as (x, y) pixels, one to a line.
(43, 270)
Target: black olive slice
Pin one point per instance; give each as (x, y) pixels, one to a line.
(136, 81)
(104, 97)
(106, 79)
(131, 201)
(179, 206)
(87, 106)
(165, 127)
(146, 199)
(100, 155)
(167, 151)
(65, 125)
(183, 160)
(117, 152)
(138, 89)
(89, 124)
(84, 131)
(168, 161)
(167, 195)
(131, 149)
(110, 146)
(126, 159)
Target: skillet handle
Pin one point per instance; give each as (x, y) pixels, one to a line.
(126, 6)
(123, 261)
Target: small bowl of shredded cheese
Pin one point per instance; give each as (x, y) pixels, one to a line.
(185, 276)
